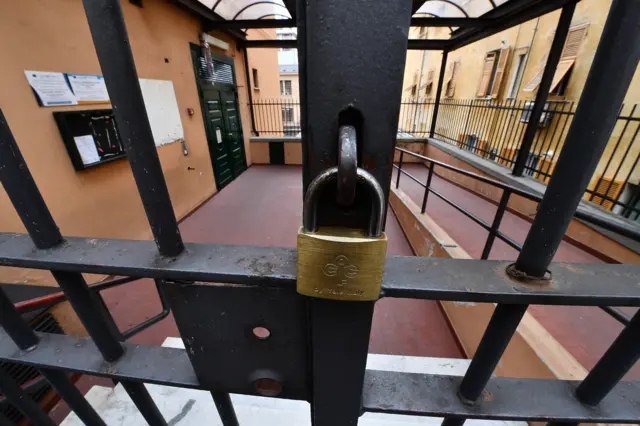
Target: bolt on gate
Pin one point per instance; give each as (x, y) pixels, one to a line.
(317, 348)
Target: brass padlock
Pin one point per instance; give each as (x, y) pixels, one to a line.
(341, 263)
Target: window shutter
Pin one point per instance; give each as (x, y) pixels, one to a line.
(486, 75)
(569, 54)
(430, 75)
(451, 85)
(500, 71)
(574, 42)
(609, 188)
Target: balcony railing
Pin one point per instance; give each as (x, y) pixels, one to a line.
(493, 228)
(494, 130)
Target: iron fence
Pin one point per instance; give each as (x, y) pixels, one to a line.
(494, 130)
(492, 228)
(318, 348)
(276, 116)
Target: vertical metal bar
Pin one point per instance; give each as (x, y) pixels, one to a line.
(92, 314)
(15, 326)
(399, 170)
(557, 45)
(36, 217)
(225, 408)
(466, 124)
(612, 69)
(23, 401)
(502, 207)
(436, 106)
(25, 338)
(616, 58)
(111, 41)
(615, 148)
(142, 399)
(503, 324)
(249, 91)
(5, 421)
(72, 396)
(22, 190)
(426, 190)
(331, 81)
(623, 353)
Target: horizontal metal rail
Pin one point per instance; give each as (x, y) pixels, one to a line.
(503, 399)
(587, 217)
(384, 391)
(405, 277)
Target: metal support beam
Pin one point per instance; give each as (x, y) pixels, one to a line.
(291, 23)
(555, 53)
(111, 41)
(436, 105)
(338, 68)
(452, 22)
(612, 69)
(414, 44)
(272, 44)
(242, 24)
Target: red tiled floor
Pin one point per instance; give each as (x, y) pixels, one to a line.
(263, 206)
(586, 332)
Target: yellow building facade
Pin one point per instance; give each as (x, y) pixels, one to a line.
(489, 86)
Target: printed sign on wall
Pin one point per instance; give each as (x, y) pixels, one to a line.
(51, 88)
(89, 88)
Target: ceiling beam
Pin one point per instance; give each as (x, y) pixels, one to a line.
(208, 17)
(293, 44)
(291, 7)
(291, 23)
(253, 23)
(272, 44)
(451, 22)
(508, 15)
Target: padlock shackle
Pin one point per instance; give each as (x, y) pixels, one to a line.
(309, 211)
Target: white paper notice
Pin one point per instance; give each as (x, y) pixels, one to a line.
(51, 88)
(87, 148)
(88, 88)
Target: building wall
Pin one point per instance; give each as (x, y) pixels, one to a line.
(535, 38)
(103, 201)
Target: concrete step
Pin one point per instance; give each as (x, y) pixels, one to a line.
(187, 407)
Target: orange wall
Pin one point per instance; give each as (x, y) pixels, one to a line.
(100, 202)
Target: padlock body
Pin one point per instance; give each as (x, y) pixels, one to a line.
(340, 264)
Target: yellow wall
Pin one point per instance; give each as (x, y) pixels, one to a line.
(534, 36)
(103, 201)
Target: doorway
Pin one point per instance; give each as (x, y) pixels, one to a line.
(219, 102)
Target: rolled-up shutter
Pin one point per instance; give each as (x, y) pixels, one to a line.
(500, 71)
(485, 79)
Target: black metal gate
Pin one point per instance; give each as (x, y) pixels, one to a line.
(316, 350)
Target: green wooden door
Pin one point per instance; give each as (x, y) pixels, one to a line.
(219, 102)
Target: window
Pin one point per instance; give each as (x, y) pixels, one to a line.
(518, 71)
(450, 86)
(287, 114)
(568, 57)
(428, 85)
(254, 72)
(285, 88)
(495, 64)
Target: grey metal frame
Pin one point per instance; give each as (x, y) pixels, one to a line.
(318, 348)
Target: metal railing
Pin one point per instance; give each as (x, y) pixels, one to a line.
(276, 116)
(492, 228)
(318, 349)
(494, 130)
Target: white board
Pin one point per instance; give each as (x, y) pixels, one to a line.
(162, 108)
